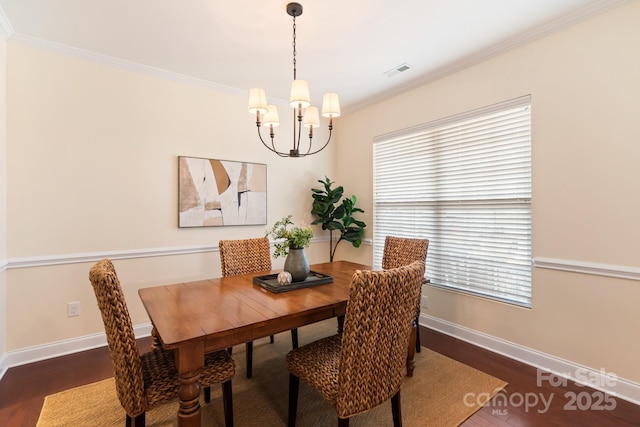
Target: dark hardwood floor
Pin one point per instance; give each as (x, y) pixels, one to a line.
(23, 389)
(523, 385)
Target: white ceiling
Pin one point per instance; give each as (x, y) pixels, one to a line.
(343, 46)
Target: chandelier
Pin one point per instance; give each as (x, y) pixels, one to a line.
(304, 115)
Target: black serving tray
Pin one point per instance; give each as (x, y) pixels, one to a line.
(270, 282)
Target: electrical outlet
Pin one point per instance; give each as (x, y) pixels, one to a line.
(73, 309)
(424, 301)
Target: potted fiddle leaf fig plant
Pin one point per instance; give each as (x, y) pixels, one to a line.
(335, 213)
(290, 241)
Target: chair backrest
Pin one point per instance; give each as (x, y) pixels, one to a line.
(244, 256)
(399, 251)
(123, 350)
(375, 339)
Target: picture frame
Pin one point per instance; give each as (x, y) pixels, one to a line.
(216, 193)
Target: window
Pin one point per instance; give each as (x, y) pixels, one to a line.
(464, 183)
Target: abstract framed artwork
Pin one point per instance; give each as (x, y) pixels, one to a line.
(213, 193)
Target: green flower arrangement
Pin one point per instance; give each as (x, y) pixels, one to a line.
(288, 238)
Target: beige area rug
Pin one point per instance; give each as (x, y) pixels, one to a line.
(434, 396)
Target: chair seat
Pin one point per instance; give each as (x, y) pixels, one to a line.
(160, 375)
(317, 364)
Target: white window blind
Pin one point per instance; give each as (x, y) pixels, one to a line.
(464, 183)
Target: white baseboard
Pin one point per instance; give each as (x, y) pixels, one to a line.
(596, 379)
(61, 348)
(4, 365)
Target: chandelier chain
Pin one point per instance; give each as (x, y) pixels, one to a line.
(294, 48)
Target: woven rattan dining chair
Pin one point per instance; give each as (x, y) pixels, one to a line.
(244, 256)
(364, 366)
(143, 381)
(399, 251)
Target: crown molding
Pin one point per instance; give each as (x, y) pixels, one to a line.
(6, 29)
(494, 50)
(579, 15)
(121, 63)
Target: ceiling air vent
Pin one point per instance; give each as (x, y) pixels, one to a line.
(397, 70)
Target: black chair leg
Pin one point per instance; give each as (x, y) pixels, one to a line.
(138, 421)
(343, 422)
(396, 410)
(340, 323)
(294, 338)
(294, 385)
(227, 402)
(249, 359)
(418, 346)
(207, 394)
(272, 339)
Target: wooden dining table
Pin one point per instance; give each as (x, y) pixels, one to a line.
(197, 317)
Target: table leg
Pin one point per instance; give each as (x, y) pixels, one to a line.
(411, 351)
(155, 338)
(189, 362)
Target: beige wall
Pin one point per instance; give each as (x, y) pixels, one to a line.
(584, 82)
(92, 169)
(3, 198)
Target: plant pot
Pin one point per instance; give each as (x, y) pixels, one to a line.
(297, 264)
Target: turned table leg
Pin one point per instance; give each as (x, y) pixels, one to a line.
(155, 338)
(189, 362)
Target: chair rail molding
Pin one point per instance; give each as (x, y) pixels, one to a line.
(79, 258)
(609, 270)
